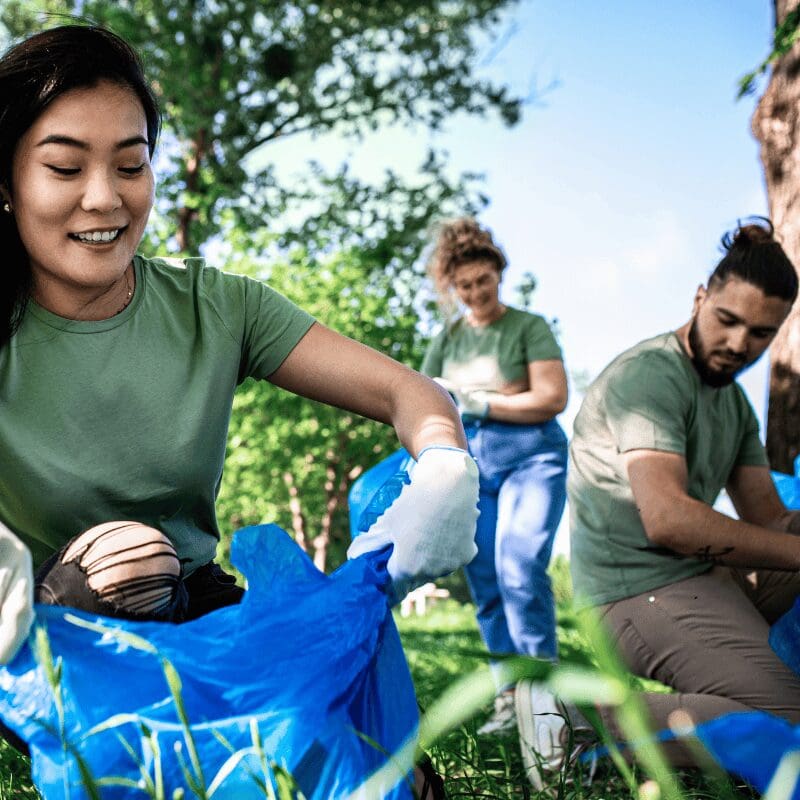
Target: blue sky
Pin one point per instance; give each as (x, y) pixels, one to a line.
(616, 186)
(619, 181)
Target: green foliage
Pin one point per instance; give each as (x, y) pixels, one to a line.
(15, 770)
(236, 75)
(526, 288)
(787, 33)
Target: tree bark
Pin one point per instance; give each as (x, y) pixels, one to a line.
(776, 125)
(336, 486)
(298, 518)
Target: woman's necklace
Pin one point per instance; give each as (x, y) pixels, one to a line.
(128, 296)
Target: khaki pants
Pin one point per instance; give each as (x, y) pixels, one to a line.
(707, 638)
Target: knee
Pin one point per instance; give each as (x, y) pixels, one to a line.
(784, 703)
(130, 566)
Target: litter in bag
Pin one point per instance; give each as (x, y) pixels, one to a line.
(308, 670)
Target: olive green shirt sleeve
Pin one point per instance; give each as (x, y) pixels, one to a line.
(433, 361)
(539, 341)
(646, 406)
(273, 325)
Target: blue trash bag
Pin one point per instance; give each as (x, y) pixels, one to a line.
(309, 664)
(751, 744)
(788, 486)
(376, 490)
(784, 636)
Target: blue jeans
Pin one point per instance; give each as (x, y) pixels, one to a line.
(522, 494)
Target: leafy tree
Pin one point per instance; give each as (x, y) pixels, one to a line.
(236, 75)
(776, 125)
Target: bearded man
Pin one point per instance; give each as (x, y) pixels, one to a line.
(687, 592)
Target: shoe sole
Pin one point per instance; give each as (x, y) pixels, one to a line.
(527, 733)
(537, 764)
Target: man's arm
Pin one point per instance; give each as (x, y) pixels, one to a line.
(674, 520)
(756, 500)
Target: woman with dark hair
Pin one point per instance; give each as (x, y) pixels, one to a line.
(117, 372)
(504, 368)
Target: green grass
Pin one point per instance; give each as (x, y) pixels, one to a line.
(15, 770)
(443, 647)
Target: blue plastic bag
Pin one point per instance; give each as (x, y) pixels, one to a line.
(376, 490)
(784, 636)
(788, 486)
(751, 745)
(310, 664)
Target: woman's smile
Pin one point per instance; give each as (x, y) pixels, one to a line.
(81, 194)
(98, 237)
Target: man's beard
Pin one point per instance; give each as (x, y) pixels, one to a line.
(700, 357)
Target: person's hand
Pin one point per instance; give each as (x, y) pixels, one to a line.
(472, 402)
(431, 524)
(16, 594)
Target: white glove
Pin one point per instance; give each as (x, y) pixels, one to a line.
(474, 402)
(432, 522)
(16, 594)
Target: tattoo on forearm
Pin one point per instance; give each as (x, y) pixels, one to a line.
(714, 556)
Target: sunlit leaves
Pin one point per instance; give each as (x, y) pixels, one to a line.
(235, 75)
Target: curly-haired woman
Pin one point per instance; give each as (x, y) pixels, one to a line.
(504, 368)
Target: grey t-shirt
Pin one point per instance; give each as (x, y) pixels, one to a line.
(651, 398)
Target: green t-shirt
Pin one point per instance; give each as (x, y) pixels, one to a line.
(651, 398)
(492, 356)
(127, 418)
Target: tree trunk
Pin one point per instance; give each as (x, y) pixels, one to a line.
(298, 518)
(776, 125)
(336, 485)
(187, 215)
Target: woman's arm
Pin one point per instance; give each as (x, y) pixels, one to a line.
(431, 525)
(333, 369)
(546, 398)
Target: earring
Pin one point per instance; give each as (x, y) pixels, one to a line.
(7, 207)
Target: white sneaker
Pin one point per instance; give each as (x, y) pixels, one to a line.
(503, 718)
(546, 734)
